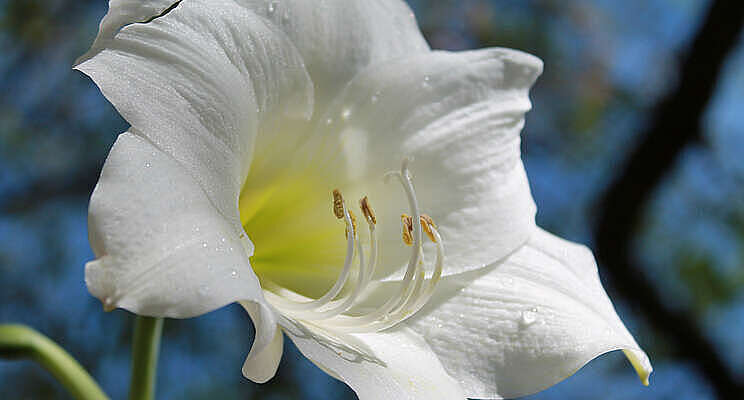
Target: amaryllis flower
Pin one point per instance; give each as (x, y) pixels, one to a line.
(354, 190)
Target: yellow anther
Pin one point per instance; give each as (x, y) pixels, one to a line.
(353, 223)
(407, 222)
(427, 224)
(338, 204)
(367, 210)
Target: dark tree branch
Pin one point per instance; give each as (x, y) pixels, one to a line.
(675, 123)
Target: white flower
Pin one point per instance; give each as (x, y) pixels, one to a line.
(246, 115)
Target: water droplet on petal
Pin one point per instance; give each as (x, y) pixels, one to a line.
(148, 165)
(346, 113)
(329, 121)
(203, 290)
(204, 244)
(272, 7)
(529, 316)
(234, 273)
(425, 82)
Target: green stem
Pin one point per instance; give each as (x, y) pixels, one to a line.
(19, 341)
(145, 349)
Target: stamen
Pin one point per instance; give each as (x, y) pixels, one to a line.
(353, 223)
(342, 278)
(407, 223)
(428, 224)
(415, 289)
(388, 314)
(415, 300)
(367, 210)
(346, 302)
(338, 204)
(369, 215)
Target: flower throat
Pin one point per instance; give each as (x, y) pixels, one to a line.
(335, 308)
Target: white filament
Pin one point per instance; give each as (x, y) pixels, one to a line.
(414, 291)
(340, 282)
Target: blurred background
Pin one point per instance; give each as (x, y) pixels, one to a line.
(635, 147)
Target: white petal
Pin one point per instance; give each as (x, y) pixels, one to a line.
(459, 115)
(121, 13)
(376, 366)
(266, 352)
(338, 38)
(197, 82)
(161, 247)
(525, 323)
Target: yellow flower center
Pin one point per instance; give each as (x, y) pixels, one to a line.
(311, 271)
(297, 242)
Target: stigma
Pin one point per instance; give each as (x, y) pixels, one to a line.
(332, 310)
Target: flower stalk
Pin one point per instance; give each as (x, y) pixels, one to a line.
(19, 341)
(145, 348)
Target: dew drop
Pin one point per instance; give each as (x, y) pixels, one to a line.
(529, 316)
(272, 7)
(425, 82)
(204, 244)
(329, 121)
(234, 273)
(346, 113)
(374, 99)
(148, 165)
